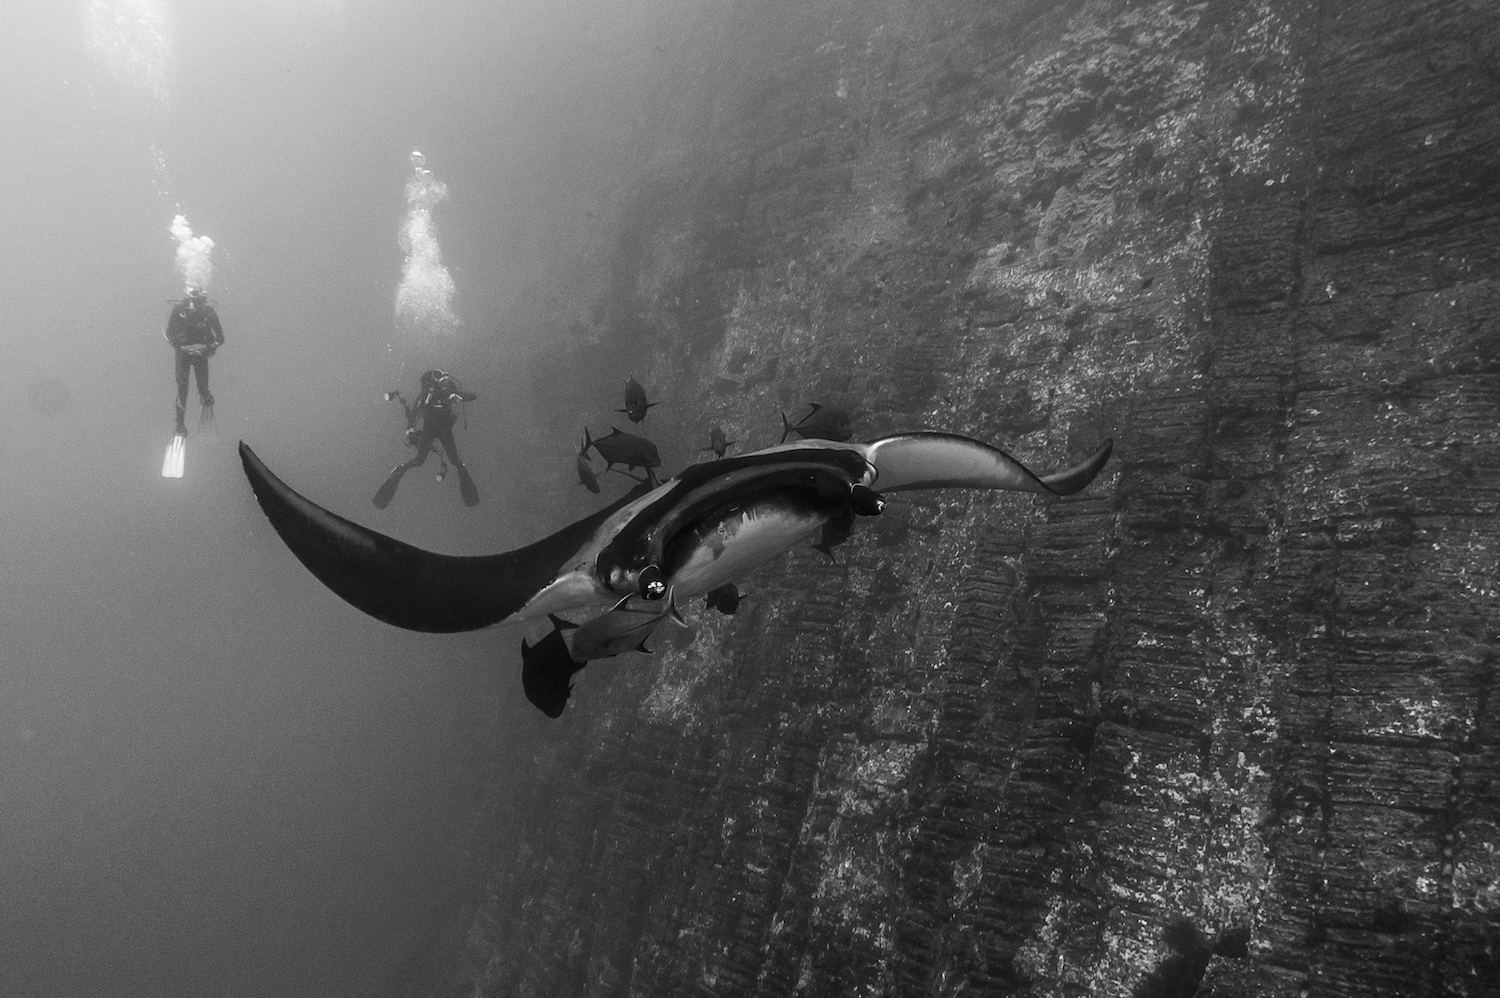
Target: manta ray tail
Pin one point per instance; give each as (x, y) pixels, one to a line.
(405, 585)
(945, 460)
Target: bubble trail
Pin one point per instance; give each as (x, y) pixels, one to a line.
(193, 255)
(424, 299)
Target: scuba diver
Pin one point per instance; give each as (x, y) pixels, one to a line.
(195, 334)
(434, 410)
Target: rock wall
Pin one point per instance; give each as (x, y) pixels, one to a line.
(1227, 723)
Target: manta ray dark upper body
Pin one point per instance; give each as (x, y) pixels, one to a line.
(710, 525)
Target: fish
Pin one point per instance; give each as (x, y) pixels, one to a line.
(623, 448)
(835, 532)
(830, 423)
(623, 629)
(712, 524)
(726, 599)
(586, 476)
(716, 441)
(635, 400)
(547, 669)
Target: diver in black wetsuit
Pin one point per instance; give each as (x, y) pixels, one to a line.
(195, 334)
(434, 411)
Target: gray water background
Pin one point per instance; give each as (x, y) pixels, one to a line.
(215, 778)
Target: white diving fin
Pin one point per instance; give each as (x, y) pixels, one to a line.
(171, 465)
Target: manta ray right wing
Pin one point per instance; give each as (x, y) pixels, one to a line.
(945, 460)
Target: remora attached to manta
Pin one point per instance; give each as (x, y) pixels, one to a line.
(712, 524)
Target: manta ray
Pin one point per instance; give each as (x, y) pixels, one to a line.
(709, 526)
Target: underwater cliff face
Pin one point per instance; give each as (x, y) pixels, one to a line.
(1227, 719)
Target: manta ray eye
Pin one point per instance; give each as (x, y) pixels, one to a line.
(866, 502)
(653, 583)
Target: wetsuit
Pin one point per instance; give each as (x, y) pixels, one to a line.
(194, 332)
(434, 407)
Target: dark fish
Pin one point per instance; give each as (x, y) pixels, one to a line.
(547, 669)
(716, 441)
(836, 531)
(623, 448)
(712, 524)
(635, 401)
(586, 476)
(725, 599)
(830, 423)
(622, 629)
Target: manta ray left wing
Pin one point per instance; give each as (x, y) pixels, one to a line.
(404, 585)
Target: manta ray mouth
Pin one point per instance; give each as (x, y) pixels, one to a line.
(404, 585)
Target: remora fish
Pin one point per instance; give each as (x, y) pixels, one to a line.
(623, 448)
(725, 599)
(835, 532)
(586, 476)
(547, 669)
(823, 424)
(622, 629)
(710, 525)
(717, 442)
(635, 401)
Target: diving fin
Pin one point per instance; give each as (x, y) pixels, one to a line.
(466, 486)
(171, 465)
(387, 490)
